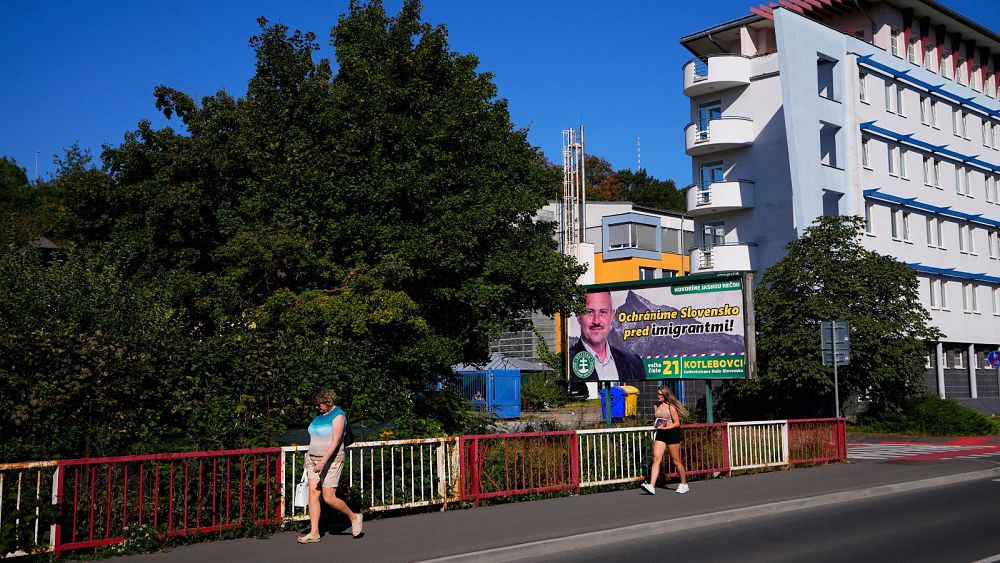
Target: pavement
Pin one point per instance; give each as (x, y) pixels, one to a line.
(531, 529)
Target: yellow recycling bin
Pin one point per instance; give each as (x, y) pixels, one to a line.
(631, 400)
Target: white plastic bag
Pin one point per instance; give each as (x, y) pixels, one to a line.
(301, 498)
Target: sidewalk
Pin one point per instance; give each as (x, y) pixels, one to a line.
(533, 528)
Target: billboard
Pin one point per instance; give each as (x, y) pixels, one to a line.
(682, 328)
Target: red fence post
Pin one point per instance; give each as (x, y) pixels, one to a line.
(574, 461)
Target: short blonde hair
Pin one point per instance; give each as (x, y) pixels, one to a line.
(323, 397)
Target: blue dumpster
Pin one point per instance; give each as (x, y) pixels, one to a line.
(617, 402)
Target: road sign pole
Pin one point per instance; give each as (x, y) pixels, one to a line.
(709, 414)
(836, 384)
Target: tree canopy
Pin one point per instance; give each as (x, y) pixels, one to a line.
(606, 184)
(363, 229)
(827, 275)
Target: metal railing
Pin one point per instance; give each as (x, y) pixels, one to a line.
(27, 493)
(388, 475)
(57, 506)
(494, 465)
(178, 494)
(758, 444)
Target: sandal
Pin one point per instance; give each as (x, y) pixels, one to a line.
(308, 539)
(357, 526)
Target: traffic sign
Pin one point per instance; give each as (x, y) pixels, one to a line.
(843, 357)
(826, 331)
(994, 358)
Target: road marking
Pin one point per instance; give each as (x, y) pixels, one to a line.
(888, 451)
(992, 559)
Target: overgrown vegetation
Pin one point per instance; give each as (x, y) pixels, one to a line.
(929, 415)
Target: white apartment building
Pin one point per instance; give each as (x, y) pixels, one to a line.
(885, 109)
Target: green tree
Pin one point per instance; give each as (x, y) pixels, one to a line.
(644, 190)
(362, 230)
(827, 275)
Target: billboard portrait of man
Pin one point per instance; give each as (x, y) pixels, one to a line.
(593, 358)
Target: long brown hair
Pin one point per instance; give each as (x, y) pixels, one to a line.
(672, 400)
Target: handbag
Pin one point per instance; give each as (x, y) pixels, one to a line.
(301, 497)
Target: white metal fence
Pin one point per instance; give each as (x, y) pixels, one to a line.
(615, 455)
(24, 489)
(388, 475)
(758, 444)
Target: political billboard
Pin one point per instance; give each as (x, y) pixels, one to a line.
(674, 328)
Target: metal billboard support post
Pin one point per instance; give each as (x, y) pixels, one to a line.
(606, 404)
(709, 414)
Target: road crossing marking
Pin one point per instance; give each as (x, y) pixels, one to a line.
(928, 451)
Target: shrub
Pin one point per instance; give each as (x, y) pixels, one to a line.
(539, 391)
(933, 416)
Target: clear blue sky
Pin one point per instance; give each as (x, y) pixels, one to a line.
(85, 71)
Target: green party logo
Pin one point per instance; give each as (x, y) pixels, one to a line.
(583, 364)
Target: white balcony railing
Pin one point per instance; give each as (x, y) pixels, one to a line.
(717, 197)
(721, 133)
(728, 257)
(716, 73)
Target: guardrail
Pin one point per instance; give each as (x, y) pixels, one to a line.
(388, 475)
(56, 506)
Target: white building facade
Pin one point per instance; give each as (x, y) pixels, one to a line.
(886, 110)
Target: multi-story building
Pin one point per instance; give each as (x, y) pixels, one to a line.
(884, 109)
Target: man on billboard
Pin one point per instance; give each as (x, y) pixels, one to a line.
(594, 358)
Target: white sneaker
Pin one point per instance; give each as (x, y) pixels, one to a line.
(648, 488)
(682, 488)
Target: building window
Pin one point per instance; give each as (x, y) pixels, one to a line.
(933, 236)
(866, 159)
(828, 136)
(869, 228)
(894, 40)
(632, 235)
(960, 71)
(897, 161)
(943, 295)
(863, 86)
(896, 225)
(971, 242)
(911, 50)
(938, 294)
(996, 301)
(906, 227)
(928, 171)
(991, 189)
(925, 110)
(890, 97)
(826, 76)
(932, 285)
(927, 361)
(986, 132)
(943, 63)
(928, 56)
(965, 125)
(933, 116)
(957, 122)
(900, 108)
(647, 273)
(996, 134)
(993, 241)
(970, 301)
(958, 359)
(667, 273)
(962, 180)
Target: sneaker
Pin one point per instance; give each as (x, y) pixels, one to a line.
(682, 488)
(648, 488)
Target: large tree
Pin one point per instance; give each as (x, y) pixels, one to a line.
(362, 229)
(827, 275)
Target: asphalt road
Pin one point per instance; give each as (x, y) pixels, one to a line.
(958, 523)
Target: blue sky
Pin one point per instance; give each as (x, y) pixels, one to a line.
(85, 71)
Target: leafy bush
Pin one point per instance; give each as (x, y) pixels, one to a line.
(930, 415)
(539, 391)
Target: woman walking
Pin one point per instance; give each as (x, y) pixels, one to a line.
(668, 437)
(324, 463)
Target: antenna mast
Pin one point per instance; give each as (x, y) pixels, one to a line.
(574, 201)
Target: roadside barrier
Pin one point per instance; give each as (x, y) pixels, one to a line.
(57, 506)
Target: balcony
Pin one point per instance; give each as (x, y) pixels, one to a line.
(729, 257)
(717, 197)
(715, 74)
(719, 134)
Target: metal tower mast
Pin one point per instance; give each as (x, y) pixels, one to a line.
(572, 221)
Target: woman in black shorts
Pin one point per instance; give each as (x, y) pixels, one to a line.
(668, 437)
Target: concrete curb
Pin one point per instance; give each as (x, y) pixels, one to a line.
(577, 541)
